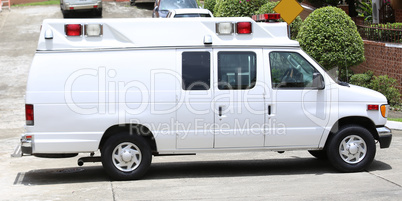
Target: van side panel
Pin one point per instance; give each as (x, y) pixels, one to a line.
(76, 100)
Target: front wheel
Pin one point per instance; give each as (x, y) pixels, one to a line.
(351, 149)
(126, 157)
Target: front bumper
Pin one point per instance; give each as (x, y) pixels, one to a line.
(384, 137)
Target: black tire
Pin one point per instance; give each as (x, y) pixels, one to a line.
(352, 149)
(131, 161)
(319, 154)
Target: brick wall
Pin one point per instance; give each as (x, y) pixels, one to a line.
(382, 60)
(398, 15)
(13, 2)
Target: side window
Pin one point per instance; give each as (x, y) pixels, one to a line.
(196, 70)
(236, 70)
(290, 70)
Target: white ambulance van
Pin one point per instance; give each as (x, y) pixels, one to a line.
(132, 91)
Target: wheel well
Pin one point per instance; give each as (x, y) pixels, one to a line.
(131, 129)
(355, 120)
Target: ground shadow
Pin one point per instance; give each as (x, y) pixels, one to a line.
(197, 169)
(82, 15)
(147, 6)
(61, 175)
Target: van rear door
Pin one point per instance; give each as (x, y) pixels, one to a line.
(195, 116)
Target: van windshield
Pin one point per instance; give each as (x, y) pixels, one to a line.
(174, 4)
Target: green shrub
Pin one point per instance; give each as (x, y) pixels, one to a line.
(321, 3)
(365, 9)
(363, 79)
(237, 8)
(294, 26)
(267, 8)
(210, 5)
(385, 85)
(330, 36)
(382, 84)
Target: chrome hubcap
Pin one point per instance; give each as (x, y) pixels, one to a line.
(352, 149)
(126, 156)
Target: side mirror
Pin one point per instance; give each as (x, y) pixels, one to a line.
(318, 81)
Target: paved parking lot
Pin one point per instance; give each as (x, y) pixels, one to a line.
(231, 176)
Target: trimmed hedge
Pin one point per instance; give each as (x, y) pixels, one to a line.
(330, 36)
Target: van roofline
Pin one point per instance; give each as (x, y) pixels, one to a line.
(160, 33)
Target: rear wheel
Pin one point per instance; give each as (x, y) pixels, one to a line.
(126, 156)
(351, 149)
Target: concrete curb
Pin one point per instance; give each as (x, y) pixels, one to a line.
(394, 125)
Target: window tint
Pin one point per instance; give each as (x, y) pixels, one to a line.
(236, 70)
(196, 70)
(290, 69)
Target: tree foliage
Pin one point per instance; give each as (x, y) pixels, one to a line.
(237, 8)
(210, 5)
(330, 36)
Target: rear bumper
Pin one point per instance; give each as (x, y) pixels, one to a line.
(384, 137)
(26, 146)
(67, 6)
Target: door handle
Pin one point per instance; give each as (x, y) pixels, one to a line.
(220, 110)
(269, 110)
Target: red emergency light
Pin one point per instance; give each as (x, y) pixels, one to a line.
(73, 29)
(269, 17)
(243, 27)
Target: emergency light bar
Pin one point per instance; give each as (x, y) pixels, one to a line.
(267, 17)
(90, 30)
(228, 28)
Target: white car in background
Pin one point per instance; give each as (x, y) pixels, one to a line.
(189, 12)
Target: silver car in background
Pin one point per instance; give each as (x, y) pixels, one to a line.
(71, 6)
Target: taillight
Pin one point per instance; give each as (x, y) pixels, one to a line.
(29, 114)
(243, 28)
(73, 29)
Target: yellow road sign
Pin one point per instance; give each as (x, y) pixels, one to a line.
(289, 10)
